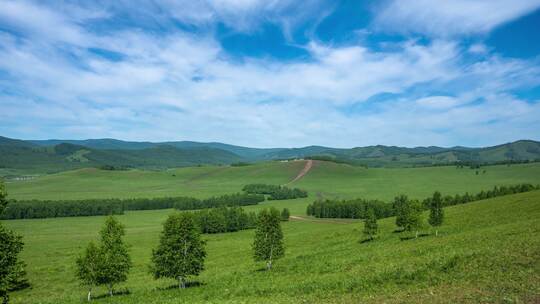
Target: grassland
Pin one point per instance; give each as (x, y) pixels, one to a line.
(325, 179)
(488, 251)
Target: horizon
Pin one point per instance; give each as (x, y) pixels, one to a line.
(264, 74)
(275, 147)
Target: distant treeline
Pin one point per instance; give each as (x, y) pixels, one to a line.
(45, 208)
(358, 208)
(275, 192)
(477, 164)
(223, 219)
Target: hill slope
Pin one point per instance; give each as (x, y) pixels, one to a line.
(486, 252)
(28, 157)
(41, 155)
(325, 179)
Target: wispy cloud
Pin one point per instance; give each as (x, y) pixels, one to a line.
(450, 17)
(182, 84)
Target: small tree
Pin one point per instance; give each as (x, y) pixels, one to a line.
(268, 243)
(436, 212)
(115, 262)
(11, 268)
(401, 207)
(181, 251)
(370, 224)
(88, 267)
(413, 217)
(285, 214)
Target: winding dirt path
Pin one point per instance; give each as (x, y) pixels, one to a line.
(303, 172)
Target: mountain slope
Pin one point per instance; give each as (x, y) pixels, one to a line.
(31, 158)
(58, 155)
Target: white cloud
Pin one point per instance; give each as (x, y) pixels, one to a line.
(478, 48)
(182, 86)
(450, 17)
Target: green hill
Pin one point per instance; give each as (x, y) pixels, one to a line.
(486, 252)
(47, 156)
(325, 179)
(23, 157)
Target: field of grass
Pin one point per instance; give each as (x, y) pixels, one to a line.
(325, 179)
(488, 251)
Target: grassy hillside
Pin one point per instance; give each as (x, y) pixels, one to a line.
(326, 179)
(21, 157)
(324, 262)
(42, 156)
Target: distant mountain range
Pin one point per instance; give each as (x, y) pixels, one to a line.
(46, 156)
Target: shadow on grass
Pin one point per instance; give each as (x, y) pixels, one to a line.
(412, 237)
(398, 231)
(120, 292)
(263, 269)
(366, 241)
(189, 284)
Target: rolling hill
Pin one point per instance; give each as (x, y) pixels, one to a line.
(47, 156)
(27, 157)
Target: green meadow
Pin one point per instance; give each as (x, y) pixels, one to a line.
(325, 179)
(487, 251)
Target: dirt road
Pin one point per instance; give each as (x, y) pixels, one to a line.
(303, 172)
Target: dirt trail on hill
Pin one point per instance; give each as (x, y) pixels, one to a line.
(304, 171)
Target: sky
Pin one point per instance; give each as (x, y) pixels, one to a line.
(272, 73)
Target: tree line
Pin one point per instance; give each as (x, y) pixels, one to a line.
(358, 208)
(275, 192)
(180, 254)
(48, 208)
(353, 209)
(228, 219)
(223, 219)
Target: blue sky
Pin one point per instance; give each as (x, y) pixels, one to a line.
(272, 73)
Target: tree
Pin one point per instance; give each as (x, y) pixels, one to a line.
(88, 267)
(181, 251)
(436, 211)
(12, 274)
(115, 261)
(401, 207)
(3, 197)
(268, 243)
(285, 214)
(413, 217)
(370, 224)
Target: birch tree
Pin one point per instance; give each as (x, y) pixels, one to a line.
(181, 251)
(268, 243)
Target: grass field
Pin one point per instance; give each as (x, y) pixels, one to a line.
(488, 251)
(325, 179)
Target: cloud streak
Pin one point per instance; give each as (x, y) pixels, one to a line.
(183, 85)
(450, 17)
